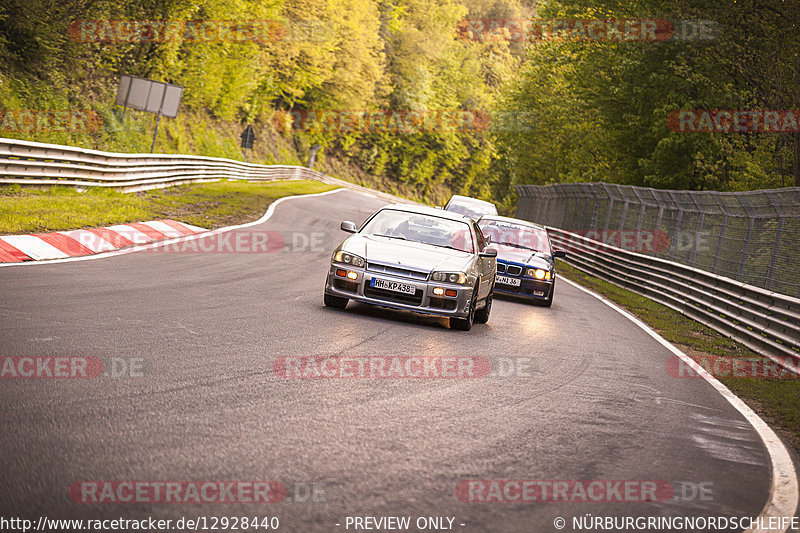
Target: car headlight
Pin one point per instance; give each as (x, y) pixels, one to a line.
(450, 277)
(538, 273)
(348, 259)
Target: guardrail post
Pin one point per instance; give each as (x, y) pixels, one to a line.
(544, 210)
(538, 211)
(641, 210)
(524, 202)
(678, 222)
(596, 211)
(610, 206)
(747, 237)
(721, 236)
(773, 260)
(561, 205)
(537, 203)
(776, 243)
(533, 201)
(552, 205)
(565, 213)
(659, 217)
(700, 218)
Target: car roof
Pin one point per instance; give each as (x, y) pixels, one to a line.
(513, 221)
(425, 210)
(469, 200)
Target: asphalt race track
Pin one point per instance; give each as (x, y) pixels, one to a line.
(203, 329)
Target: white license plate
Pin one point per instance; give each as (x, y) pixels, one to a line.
(393, 286)
(505, 280)
(538, 293)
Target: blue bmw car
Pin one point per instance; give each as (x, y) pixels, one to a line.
(525, 258)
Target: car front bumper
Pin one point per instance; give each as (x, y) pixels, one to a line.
(532, 289)
(423, 300)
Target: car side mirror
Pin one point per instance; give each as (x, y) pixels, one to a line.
(348, 226)
(559, 253)
(488, 252)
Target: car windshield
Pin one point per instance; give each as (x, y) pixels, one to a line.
(516, 235)
(417, 227)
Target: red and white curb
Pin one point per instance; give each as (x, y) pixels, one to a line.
(64, 244)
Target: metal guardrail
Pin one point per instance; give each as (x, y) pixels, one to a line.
(749, 236)
(32, 163)
(27, 162)
(766, 322)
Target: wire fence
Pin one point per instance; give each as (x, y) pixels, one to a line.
(752, 237)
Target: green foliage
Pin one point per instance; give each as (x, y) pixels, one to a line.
(600, 108)
(561, 110)
(340, 55)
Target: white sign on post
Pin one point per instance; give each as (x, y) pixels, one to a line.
(156, 97)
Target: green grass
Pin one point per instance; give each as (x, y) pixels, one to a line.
(776, 400)
(209, 205)
(223, 203)
(28, 210)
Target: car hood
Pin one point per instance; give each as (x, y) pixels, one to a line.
(525, 257)
(412, 255)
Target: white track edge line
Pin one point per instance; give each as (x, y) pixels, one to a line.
(165, 242)
(784, 496)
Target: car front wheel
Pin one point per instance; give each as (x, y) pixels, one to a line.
(335, 301)
(482, 315)
(465, 324)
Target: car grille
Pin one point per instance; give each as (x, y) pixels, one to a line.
(397, 271)
(391, 296)
(512, 270)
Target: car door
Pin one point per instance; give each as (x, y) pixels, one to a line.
(486, 265)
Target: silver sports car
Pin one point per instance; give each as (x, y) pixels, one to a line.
(415, 258)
